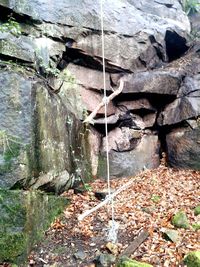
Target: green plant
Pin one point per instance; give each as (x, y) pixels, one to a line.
(191, 6)
(11, 26)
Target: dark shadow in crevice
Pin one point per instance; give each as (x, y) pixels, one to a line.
(79, 57)
(176, 45)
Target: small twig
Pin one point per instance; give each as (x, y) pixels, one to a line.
(135, 243)
(108, 99)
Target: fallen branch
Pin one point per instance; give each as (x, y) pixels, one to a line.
(90, 118)
(135, 243)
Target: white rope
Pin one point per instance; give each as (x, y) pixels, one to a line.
(112, 234)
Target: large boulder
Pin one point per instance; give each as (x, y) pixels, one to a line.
(142, 35)
(129, 163)
(152, 82)
(183, 148)
(25, 215)
(38, 135)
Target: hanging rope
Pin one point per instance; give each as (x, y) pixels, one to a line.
(112, 234)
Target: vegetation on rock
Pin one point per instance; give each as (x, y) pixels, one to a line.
(180, 220)
(192, 259)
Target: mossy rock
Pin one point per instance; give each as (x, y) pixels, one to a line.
(192, 259)
(197, 210)
(25, 215)
(180, 220)
(126, 262)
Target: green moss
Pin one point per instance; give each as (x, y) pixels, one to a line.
(196, 226)
(12, 245)
(24, 218)
(180, 220)
(192, 259)
(126, 262)
(197, 210)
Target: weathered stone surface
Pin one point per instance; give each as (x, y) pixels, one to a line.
(88, 78)
(147, 29)
(21, 48)
(63, 13)
(38, 134)
(28, 49)
(79, 100)
(156, 82)
(25, 215)
(141, 103)
(171, 234)
(183, 148)
(186, 106)
(123, 164)
(16, 110)
(122, 139)
(91, 99)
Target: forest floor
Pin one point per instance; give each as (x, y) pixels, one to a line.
(149, 204)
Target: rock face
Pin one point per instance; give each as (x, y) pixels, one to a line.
(25, 215)
(64, 84)
(184, 148)
(51, 80)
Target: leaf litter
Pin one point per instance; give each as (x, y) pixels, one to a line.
(148, 203)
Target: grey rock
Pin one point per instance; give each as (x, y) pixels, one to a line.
(105, 260)
(187, 104)
(138, 104)
(171, 234)
(88, 78)
(28, 49)
(123, 164)
(141, 35)
(156, 82)
(17, 47)
(39, 135)
(183, 148)
(80, 255)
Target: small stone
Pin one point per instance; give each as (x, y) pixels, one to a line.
(126, 262)
(197, 210)
(192, 259)
(113, 248)
(180, 220)
(80, 255)
(105, 260)
(170, 234)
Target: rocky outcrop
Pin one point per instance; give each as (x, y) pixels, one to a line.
(65, 84)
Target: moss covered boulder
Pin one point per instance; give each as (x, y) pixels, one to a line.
(192, 259)
(25, 215)
(180, 220)
(126, 262)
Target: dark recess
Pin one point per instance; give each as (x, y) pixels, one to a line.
(175, 45)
